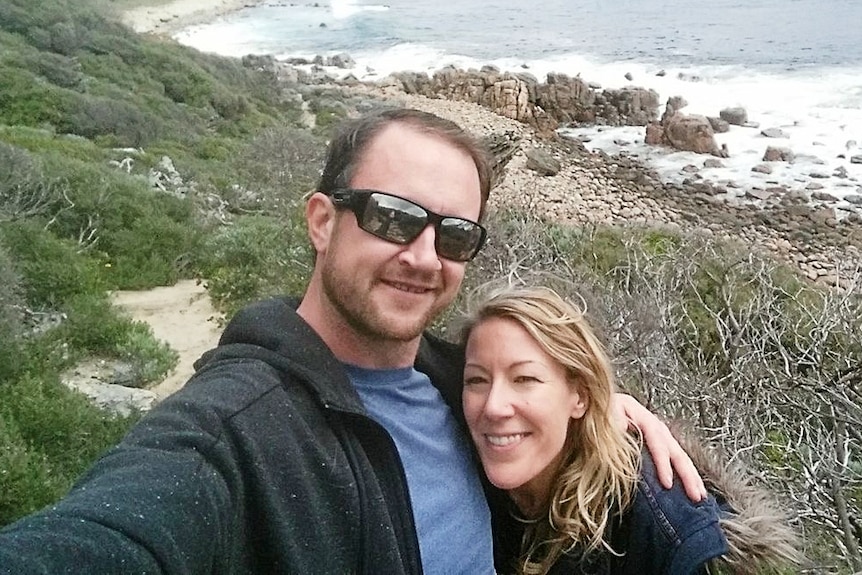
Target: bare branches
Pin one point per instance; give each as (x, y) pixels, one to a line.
(763, 362)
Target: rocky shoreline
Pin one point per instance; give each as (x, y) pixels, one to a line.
(587, 187)
(593, 187)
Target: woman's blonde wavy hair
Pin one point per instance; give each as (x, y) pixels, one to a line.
(599, 470)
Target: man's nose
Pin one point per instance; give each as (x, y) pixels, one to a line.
(421, 252)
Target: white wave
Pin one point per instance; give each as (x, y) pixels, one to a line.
(342, 9)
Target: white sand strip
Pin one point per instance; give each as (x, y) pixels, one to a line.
(165, 19)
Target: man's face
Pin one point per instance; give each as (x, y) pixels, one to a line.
(388, 291)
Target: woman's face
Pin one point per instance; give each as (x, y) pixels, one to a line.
(518, 403)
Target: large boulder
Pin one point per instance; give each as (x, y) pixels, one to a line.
(778, 154)
(683, 132)
(566, 99)
(692, 134)
(542, 162)
(560, 100)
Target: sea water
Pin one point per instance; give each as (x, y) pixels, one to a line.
(795, 65)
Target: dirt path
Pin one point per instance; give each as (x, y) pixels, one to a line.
(180, 315)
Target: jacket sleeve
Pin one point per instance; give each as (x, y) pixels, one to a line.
(665, 532)
(160, 502)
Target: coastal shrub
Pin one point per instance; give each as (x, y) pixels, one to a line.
(228, 105)
(327, 113)
(285, 163)
(112, 217)
(184, 84)
(50, 435)
(91, 117)
(39, 142)
(26, 483)
(152, 359)
(51, 268)
(12, 306)
(255, 257)
(28, 100)
(57, 69)
(95, 328)
(159, 259)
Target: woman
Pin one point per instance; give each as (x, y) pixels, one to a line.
(537, 399)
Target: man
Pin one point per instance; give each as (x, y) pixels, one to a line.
(322, 440)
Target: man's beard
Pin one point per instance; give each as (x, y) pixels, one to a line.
(362, 313)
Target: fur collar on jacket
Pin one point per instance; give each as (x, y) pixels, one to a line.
(758, 534)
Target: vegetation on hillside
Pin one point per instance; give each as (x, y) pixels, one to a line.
(122, 159)
(128, 162)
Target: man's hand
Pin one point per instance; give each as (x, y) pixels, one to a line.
(666, 451)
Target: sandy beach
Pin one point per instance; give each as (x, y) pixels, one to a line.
(169, 17)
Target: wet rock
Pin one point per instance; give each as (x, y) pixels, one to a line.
(735, 116)
(758, 194)
(773, 133)
(719, 126)
(823, 197)
(776, 154)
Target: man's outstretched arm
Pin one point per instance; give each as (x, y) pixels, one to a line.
(667, 453)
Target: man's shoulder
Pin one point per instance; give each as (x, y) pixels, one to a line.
(670, 509)
(663, 531)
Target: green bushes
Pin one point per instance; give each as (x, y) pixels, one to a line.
(49, 436)
(52, 270)
(75, 88)
(28, 100)
(91, 117)
(11, 316)
(256, 257)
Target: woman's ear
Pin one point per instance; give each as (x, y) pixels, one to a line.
(580, 402)
(320, 218)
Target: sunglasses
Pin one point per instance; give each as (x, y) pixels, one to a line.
(400, 221)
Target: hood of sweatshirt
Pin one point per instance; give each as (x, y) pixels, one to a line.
(273, 332)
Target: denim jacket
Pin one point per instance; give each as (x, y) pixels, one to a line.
(661, 532)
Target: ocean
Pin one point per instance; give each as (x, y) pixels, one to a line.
(795, 65)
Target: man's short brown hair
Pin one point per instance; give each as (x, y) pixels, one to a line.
(353, 137)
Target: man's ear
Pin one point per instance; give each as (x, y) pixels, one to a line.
(320, 218)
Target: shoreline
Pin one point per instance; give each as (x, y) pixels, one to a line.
(171, 17)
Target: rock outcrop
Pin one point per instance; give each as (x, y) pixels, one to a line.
(689, 133)
(545, 106)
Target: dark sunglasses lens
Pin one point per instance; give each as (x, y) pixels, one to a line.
(458, 239)
(401, 221)
(393, 219)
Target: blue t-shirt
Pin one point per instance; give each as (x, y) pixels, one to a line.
(453, 522)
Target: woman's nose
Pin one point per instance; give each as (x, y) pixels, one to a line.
(499, 401)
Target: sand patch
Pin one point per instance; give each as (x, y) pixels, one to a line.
(169, 17)
(182, 316)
